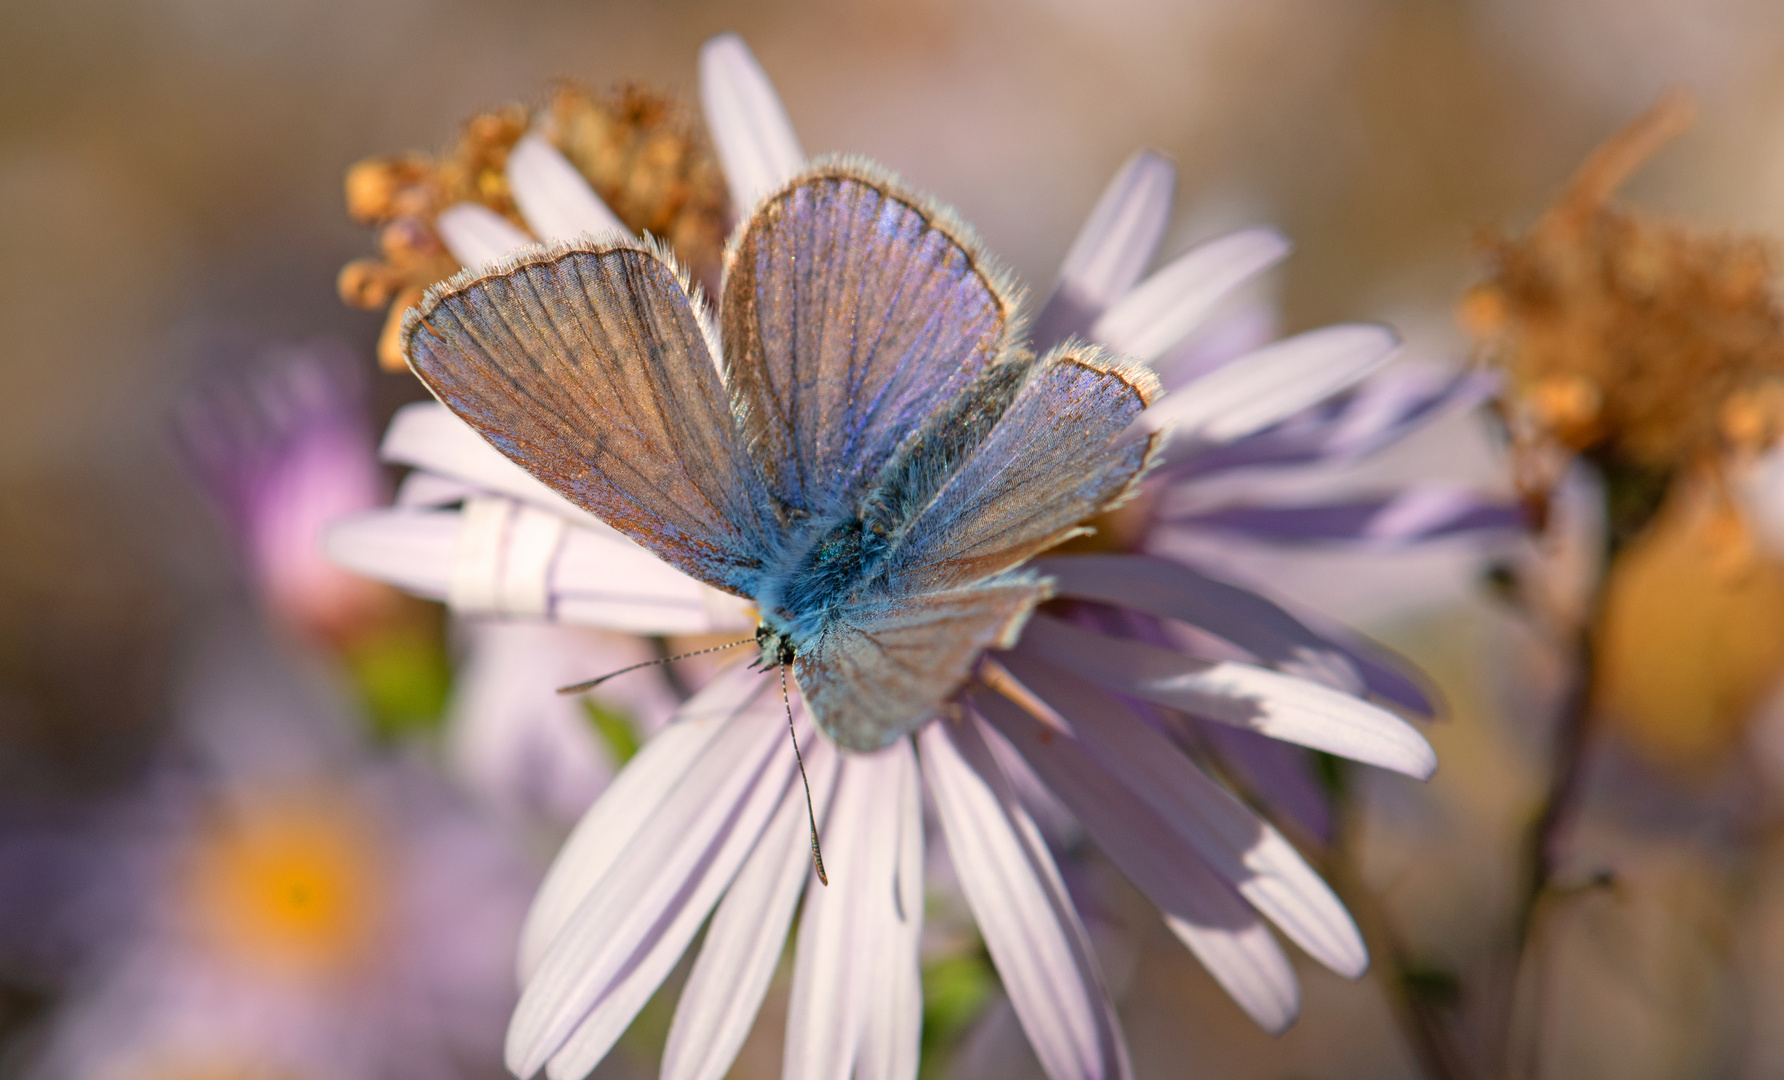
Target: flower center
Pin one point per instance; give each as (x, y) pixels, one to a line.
(291, 886)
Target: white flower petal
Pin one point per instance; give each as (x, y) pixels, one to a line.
(426, 435)
(554, 198)
(750, 130)
(582, 578)
(1275, 382)
(1268, 702)
(411, 549)
(624, 808)
(1266, 869)
(424, 489)
(1168, 305)
(1112, 250)
(627, 931)
(724, 992)
(1201, 909)
(1022, 909)
(841, 932)
(892, 1040)
(478, 236)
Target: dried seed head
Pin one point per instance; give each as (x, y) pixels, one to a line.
(1639, 342)
(640, 151)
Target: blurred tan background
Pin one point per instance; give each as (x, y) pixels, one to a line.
(172, 170)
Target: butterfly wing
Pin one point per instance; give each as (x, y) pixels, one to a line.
(878, 669)
(1053, 461)
(852, 310)
(590, 367)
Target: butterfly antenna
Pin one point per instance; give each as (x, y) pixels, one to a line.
(817, 857)
(578, 688)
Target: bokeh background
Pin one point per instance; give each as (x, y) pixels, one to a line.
(170, 177)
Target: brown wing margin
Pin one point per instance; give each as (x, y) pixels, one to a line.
(590, 366)
(853, 308)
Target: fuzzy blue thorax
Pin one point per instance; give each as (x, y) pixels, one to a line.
(853, 555)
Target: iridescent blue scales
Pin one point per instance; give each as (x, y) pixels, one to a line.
(873, 464)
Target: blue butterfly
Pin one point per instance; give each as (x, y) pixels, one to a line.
(874, 461)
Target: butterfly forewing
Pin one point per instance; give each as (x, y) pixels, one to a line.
(852, 310)
(589, 367)
(1053, 461)
(879, 669)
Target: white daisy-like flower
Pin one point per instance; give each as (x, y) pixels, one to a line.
(708, 821)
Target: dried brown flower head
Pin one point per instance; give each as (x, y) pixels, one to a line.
(640, 151)
(1639, 342)
(1656, 351)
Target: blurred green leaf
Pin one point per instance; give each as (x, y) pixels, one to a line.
(955, 991)
(403, 678)
(616, 729)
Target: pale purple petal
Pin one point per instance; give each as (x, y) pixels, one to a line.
(1416, 514)
(426, 435)
(1278, 773)
(891, 1041)
(750, 130)
(497, 556)
(845, 927)
(1268, 702)
(1344, 429)
(1266, 869)
(525, 749)
(1028, 922)
(477, 236)
(627, 986)
(1278, 638)
(425, 490)
(1165, 307)
(1201, 909)
(624, 808)
(1232, 332)
(1111, 251)
(1274, 382)
(411, 549)
(731, 976)
(554, 198)
(631, 926)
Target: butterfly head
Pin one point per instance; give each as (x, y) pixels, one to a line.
(776, 644)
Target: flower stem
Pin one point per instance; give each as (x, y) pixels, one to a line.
(1541, 849)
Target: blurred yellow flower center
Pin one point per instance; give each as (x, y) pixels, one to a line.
(291, 887)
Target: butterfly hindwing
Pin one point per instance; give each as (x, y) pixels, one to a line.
(589, 366)
(1054, 460)
(880, 668)
(852, 310)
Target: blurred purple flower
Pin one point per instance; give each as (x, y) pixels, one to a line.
(279, 905)
(708, 820)
(281, 446)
